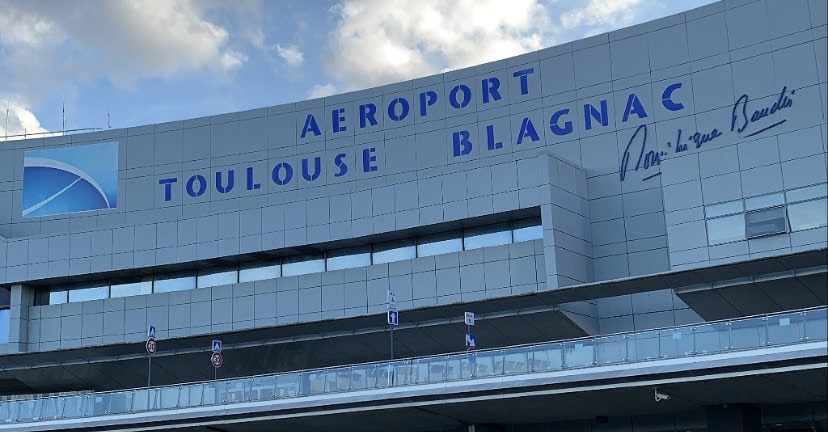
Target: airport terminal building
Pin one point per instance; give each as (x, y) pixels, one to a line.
(638, 221)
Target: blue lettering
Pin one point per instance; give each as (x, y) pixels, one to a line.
(491, 138)
(634, 107)
(367, 112)
(230, 181)
(527, 129)
(310, 126)
(425, 103)
(343, 169)
(317, 169)
(392, 111)
(667, 98)
(462, 145)
(251, 184)
(368, 158)
(466, 96)
(337, 118)
(279, 180)
(591, 112)
(490, 86)
(554, 123)
(524, 79)
(167, 182)
(202, 186)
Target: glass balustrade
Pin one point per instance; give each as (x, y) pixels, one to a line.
(779, 329)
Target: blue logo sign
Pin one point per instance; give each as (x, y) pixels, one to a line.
(70, 180)
(217, 346)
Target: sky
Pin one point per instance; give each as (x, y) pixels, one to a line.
(124, 63)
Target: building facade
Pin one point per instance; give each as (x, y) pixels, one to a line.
(692, 144)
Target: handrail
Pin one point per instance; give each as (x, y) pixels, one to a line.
(27, 135)
(776, 329)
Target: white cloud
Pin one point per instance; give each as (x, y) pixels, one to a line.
(232, 60)
(382, 41)
(290, 54)
(46, 45)
(20, 120)
(321, 90)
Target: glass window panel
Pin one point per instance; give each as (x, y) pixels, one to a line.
(808, 214)
(492, 235)
(394, 251)
(5, 319)
(179, 282)
(807, 193)
(303, 265)
(88, 293)
(251, 274)
(764, 201)
(349, 258)
(528, 233)
(440, 244)
(765, 222)
(5, 296)
(726, 229)
(58, 296)
(211, 278)
(125, 288)
(726, 208)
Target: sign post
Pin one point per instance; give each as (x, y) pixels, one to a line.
(393, 317)
(216, 359)
(152, 348)
(468, 318)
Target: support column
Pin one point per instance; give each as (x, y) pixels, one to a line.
(734, 418)
(22, 298)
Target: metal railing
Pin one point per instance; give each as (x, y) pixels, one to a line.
(776, 329)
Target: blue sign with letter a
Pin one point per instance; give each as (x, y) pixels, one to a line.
(393, 317)
(216, 346)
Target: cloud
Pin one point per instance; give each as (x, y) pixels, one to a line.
(377, 42)
(321, 90)
(20, 121)
(382, 41)
(232, 60)
(290, 54)
(48, 44)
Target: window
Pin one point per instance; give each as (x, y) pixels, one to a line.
(304, 264)
(808, 214)
(5, 297)
(765, 222)
(88, 293)
(765, 201)
(725, 229)
(394, 251)
(349, 258)
(5, 319)
(807, 193)
(440, 244)
(132, 287)
(526, 230)
(170, 283)
(211, 278)
(492, 235)
(58, 296)
(257, 273)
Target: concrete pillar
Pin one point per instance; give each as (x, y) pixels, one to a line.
(22, 298)
(734, 418)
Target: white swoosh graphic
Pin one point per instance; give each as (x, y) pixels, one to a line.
(48, 200)
(51, 163)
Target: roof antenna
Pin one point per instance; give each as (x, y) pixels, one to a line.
(63, 110)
